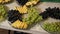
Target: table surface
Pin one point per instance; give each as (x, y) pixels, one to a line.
(37, 28)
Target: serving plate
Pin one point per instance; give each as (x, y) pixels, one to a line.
(37, 28)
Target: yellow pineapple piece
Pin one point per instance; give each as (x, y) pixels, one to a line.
(22, 9)
(16, 24)
(1, 1)
(32, 2)
(4, 1)
(20, 25)
(28, 3)
(25, 9)
(25, 25)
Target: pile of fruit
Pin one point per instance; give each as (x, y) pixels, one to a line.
(4, 1)
(51, 27)
(51, 12)
(15, 17)
(3, 13)
(33, 16)
(18, 21)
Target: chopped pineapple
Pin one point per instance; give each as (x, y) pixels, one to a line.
(1, 1)
(25, 25)
(4, 1)
(32, 2)
(16, 24)
(19, 24)
(22, 9)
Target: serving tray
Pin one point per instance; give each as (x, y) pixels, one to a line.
(37, 28)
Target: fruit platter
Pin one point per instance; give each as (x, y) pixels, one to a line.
(30, 16)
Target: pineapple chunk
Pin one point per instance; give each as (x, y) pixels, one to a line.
(4, 1)
(20, 25)
(25, 25)
(16, 24)
(22, 9)
(32, 2)
(1, 1)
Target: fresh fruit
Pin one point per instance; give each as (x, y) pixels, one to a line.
(13, 15)
(39, 19)
(3, 12)
(4, 1)
(51, 12)
(33, 16)
(44, 15)
(20, 25)
(32, 2)
(22, 9)
(16, 19)
(51, 27)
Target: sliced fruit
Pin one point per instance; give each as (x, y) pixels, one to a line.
(22, 9)
(4, 1)
(32, 2)
(20, 25)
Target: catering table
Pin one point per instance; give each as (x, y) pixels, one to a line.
(37, 28)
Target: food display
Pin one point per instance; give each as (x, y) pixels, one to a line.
(28, 2)
(26, 16)
(51, 27)
(4, 1)
(15, 17)
(17, 21)
(3, 13)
